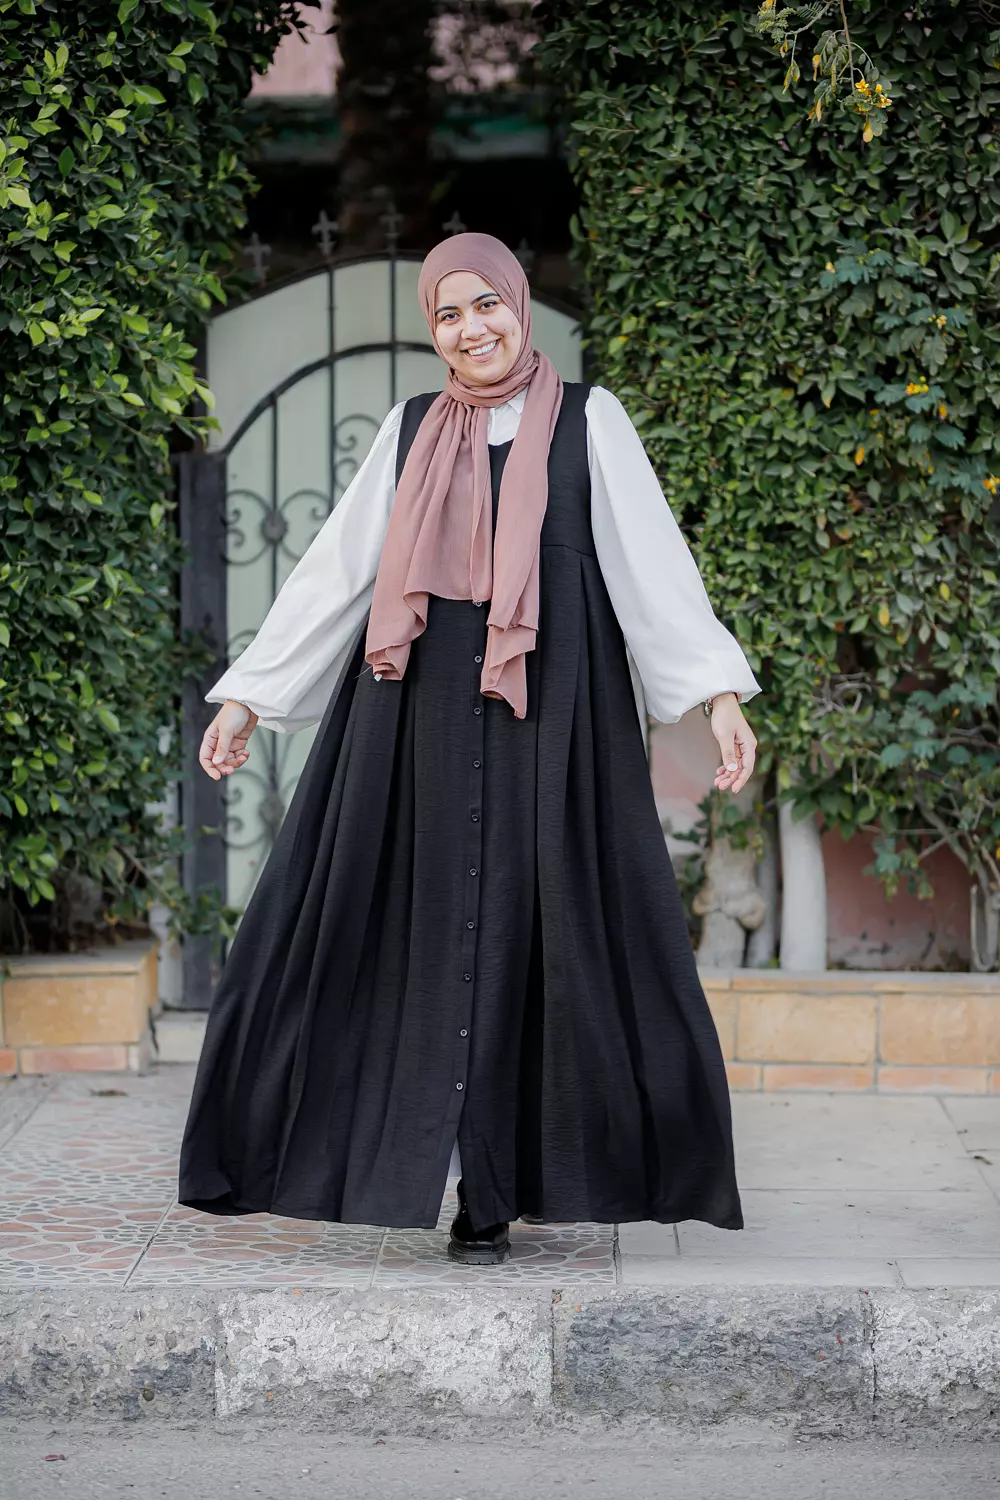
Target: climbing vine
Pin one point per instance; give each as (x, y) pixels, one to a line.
(122, 179)
(807, 336)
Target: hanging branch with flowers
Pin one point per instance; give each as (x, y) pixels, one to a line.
(843, 72)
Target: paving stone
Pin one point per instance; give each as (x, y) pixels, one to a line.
(196, 1249)
(886, 1224)
(832, 1141)
(774, 1270)
(977, 1122)
(950, 1270)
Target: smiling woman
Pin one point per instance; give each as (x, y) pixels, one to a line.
(475, 331)
(468, 931)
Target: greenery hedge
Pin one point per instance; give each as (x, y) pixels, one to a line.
(805, 327)
(121, 188)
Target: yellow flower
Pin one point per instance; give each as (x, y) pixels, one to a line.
(859, 456)
(830, 266)
(862, 86)
(992, 483)
(883, 615)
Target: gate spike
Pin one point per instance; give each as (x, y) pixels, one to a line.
(258, 254)
(325, 229)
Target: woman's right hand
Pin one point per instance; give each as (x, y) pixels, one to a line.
(224, 747)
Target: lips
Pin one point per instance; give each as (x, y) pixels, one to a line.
(483, 351)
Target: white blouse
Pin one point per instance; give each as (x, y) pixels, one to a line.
(680, 653)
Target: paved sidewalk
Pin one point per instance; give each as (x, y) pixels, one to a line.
(863, 1297)
(838, 1190)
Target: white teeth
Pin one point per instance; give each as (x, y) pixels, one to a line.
(484, 349)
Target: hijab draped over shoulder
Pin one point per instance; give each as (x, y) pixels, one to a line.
(440, 535)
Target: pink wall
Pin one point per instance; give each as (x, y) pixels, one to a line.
(303, 65)
(866, 929)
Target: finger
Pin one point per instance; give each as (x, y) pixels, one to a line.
(223, 746)
(746, 770)
(207, 751)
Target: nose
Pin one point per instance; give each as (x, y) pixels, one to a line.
(475, 325)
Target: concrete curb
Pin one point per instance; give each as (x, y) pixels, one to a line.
(835, 1362)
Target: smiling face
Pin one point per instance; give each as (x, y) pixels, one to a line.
(477, 334)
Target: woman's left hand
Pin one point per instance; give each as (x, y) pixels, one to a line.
(736, 741)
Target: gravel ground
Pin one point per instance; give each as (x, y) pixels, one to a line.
(198, 1464)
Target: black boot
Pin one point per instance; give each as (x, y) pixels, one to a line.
(477, 1247)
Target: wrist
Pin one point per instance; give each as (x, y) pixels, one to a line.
(711, 702)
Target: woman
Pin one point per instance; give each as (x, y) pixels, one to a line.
(468, 931)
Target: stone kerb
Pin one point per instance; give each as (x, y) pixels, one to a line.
(78, 1012)
(859, 1030)
(834, 1361)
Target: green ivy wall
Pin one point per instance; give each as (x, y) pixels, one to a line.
(121, 189)
(806, 329)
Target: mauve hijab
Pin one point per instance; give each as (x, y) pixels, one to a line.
(440, 534)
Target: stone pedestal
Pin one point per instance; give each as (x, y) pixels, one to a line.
(79, 1012)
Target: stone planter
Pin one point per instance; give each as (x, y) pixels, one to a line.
(79, 1012)
(894, 1031)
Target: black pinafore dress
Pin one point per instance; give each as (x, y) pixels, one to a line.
(469, 929)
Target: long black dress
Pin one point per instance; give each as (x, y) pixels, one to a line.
(469, 926)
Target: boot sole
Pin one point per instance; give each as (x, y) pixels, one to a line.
(466, 1256)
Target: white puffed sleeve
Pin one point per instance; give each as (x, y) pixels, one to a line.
(682, 653)
(290, 668)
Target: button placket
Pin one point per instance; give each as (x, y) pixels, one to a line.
(473, 850)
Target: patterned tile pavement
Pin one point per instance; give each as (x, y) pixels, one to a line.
(87, 1196)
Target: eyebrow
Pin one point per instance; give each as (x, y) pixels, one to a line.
(453, 307)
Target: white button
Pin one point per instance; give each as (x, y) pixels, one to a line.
(378, 676)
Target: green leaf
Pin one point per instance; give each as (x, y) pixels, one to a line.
(66, 161)
(146, 94)
(4, 633)
(109, 719)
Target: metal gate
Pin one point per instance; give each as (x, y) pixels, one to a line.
(303, 376)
